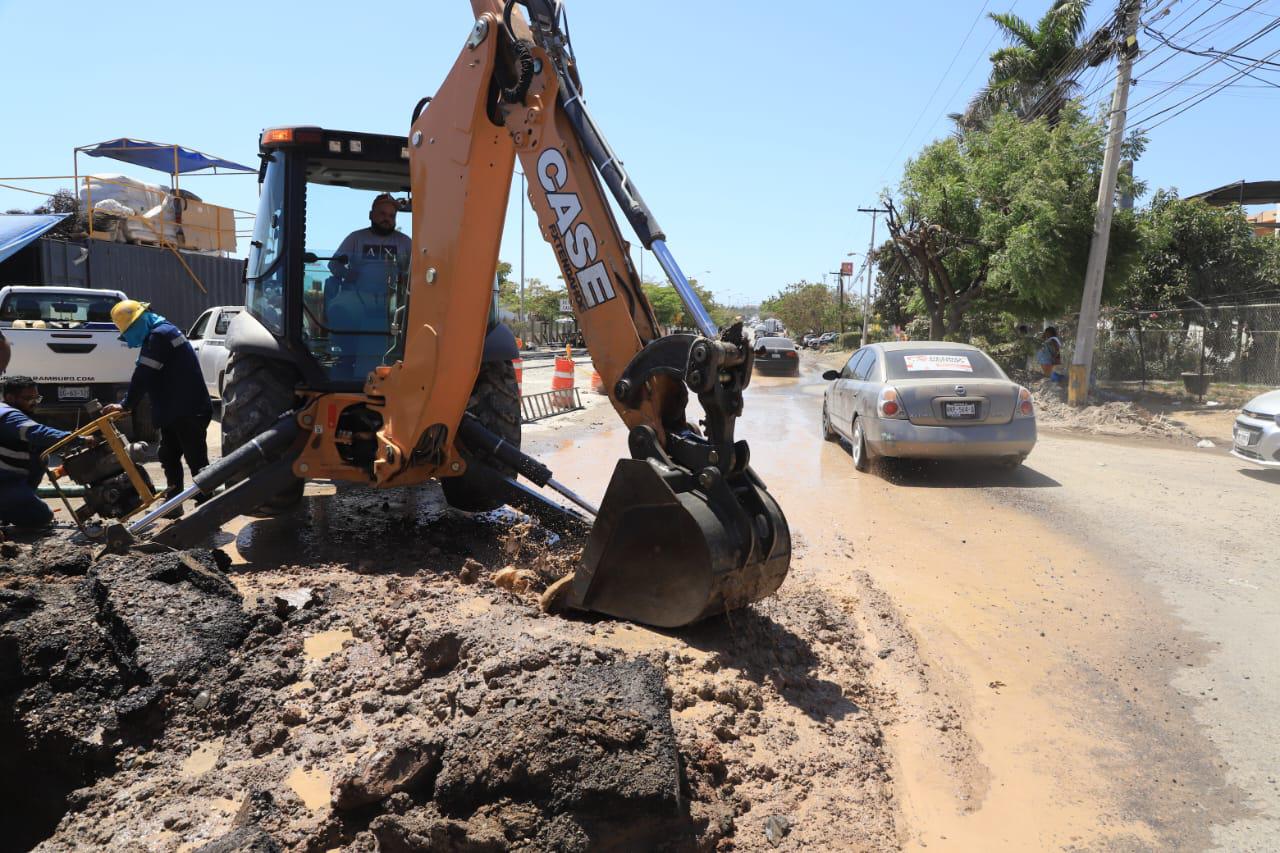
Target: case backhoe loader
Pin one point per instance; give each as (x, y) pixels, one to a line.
(381, 369)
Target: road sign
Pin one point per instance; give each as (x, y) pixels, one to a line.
(846, 268)
(564, 306)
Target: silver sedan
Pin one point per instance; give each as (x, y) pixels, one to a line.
(1257, 431)
(928, 400)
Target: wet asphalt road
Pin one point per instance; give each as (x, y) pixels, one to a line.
(1120, 594)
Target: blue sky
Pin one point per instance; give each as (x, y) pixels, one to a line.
(753, 129)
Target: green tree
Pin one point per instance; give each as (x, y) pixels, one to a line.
(1035, 74)
(62, 201)
(1191, 251)
(809, 308)
(1000, 218)
(669, 308)
(542, 303)
(508, 290)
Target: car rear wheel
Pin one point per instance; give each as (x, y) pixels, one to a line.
(1009, 463)
(861, 456)
(828, 434)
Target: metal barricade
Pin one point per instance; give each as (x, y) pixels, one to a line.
(535, 407)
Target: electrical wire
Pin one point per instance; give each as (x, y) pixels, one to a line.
(963, 79)
(933, 94)
(1194, 99)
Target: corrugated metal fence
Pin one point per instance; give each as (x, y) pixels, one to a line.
(145, 273)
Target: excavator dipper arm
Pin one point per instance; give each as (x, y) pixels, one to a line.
(686, 529)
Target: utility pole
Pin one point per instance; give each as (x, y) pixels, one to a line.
(1091, 302)
(866, 299)
(840, 313)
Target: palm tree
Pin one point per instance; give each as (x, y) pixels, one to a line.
(1035, 74)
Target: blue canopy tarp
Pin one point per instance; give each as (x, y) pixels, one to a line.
(19, 229)
(171, 159)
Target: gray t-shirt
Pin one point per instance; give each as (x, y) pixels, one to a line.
(365, 250)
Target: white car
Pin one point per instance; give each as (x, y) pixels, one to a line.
(1256, 437)
(63, 338)
(208, 337)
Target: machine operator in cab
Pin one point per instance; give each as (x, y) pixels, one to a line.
(367, 272)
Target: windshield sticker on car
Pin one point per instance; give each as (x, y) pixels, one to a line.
(934, 361)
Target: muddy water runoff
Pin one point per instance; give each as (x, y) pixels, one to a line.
(1018, 723)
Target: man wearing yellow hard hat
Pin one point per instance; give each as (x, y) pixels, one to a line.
(168, 371)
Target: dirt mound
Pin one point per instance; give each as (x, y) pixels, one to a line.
(413, 696)
(1118, 418)
(92, 656)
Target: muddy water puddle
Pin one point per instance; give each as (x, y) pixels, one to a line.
(202, 759)
(311, 786)
(317, 647)
(1007, 743)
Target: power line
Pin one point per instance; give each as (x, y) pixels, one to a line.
(1198, 99)
(1071, 63)
(1210, 63)
(982, 53)
(941, 80)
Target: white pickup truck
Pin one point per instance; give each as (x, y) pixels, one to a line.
(208, 337)
(63, 338)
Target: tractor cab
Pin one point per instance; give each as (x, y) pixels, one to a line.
(328, 267)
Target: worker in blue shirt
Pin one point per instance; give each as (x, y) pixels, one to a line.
(168, 371)
(22, 440)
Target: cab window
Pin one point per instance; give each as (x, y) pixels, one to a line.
(851, 366)
(866, 367)
(197, 330)
(224, 323)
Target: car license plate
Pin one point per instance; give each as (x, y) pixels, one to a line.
(1244, 437)
(73, 392)
(960, 410)
(775, 355)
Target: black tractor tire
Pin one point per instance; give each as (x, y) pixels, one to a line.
(495, 400)
(258, 390)
(141, 425)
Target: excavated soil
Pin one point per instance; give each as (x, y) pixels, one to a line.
(406, 693)
(1115, 418)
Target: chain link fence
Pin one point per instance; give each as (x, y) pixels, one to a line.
(1236, 346)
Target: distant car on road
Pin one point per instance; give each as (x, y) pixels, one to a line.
(777, 357)
(825, 339)
(208, 337)
(927, 400)
(1256, 435)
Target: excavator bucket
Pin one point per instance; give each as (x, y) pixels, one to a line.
(667, 555)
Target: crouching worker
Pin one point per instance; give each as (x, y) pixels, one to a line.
(168, 372)
(22, 440)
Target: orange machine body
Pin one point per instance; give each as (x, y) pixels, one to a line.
(462, 162)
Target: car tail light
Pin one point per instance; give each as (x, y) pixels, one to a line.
(1026, 408)
(792, 354)
(889, 405)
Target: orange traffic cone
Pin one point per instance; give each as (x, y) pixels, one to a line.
(562, 380)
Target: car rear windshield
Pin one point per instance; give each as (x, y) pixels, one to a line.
(940, 364)
(775, 343)
(57, 307)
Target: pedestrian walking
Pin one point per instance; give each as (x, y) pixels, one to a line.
(1049, 356)
(167, 372)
